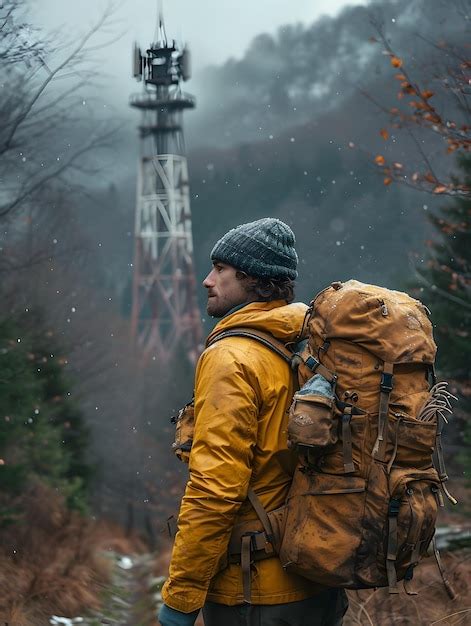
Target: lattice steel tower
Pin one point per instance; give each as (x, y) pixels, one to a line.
(165, 313)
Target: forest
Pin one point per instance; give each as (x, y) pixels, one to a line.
(356, 131)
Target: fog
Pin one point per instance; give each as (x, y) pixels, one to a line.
(293, 120)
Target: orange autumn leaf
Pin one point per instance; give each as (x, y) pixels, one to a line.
(400, 77)
(384, 134)
(426, 94)
(433, 117)
(396, 61)
(419, 105)
(379, 159)
(387, 180)
(440, 189)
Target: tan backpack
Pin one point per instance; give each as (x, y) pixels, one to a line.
(366, 422)
(363, 504)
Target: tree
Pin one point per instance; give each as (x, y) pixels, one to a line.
(42, 435)
(447, 281)
(434, 105)
(45, 138)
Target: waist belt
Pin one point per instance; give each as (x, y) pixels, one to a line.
(249, 543)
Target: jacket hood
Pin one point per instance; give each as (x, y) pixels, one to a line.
(283, 321)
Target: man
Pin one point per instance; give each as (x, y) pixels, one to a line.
(242, 392)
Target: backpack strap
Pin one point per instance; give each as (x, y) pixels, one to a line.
(448, 586)
(262, 514)
(294, 359)
(266, 339)
(392, 547)
(439, 463)
(347, 454)
(385, 386)
(248, 543)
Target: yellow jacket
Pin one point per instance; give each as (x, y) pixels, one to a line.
(242, 392)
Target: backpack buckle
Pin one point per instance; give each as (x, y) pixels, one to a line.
(386, 384)
(394, 506)
(312, 363)
(259, 541)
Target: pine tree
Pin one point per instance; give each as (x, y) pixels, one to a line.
(447, 291)
(447, 283)
(42, 435)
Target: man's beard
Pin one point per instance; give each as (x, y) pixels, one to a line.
(217, 309)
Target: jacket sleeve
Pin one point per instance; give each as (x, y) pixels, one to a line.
(227, 401)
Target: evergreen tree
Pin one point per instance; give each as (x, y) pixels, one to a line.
(447, 282)
(447, 287)
(42, 436)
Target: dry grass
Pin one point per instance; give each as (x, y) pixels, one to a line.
(432, 605)
(52, 561)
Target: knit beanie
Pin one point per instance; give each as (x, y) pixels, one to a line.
(263, 249)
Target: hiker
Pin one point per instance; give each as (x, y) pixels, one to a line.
(242, 393)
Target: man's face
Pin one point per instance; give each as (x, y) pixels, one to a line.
(225, 289)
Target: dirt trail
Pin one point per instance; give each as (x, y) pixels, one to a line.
(130, 599)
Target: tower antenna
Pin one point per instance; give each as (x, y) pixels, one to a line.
(160, 35)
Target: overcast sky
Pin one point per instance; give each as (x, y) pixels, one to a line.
(214, 29)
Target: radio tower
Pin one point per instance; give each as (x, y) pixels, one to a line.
(165, 316)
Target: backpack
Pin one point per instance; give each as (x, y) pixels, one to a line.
(366, 422)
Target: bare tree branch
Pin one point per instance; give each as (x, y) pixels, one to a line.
(95, 143)
(32, 124)
(424, 115)
(53, 73)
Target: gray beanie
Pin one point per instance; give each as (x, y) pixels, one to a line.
(263, 249)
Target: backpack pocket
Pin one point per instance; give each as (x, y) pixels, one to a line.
(311, 422)
(312, 425)
(412, 513)
(184, 431)
(398, 525)
(321, 535)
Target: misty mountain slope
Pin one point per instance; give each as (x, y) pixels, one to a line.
(302, 71)
(347, 223)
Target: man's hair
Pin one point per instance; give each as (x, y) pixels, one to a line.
(267, 289)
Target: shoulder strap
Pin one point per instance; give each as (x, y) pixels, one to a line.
(264, 338)
(292, 358)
